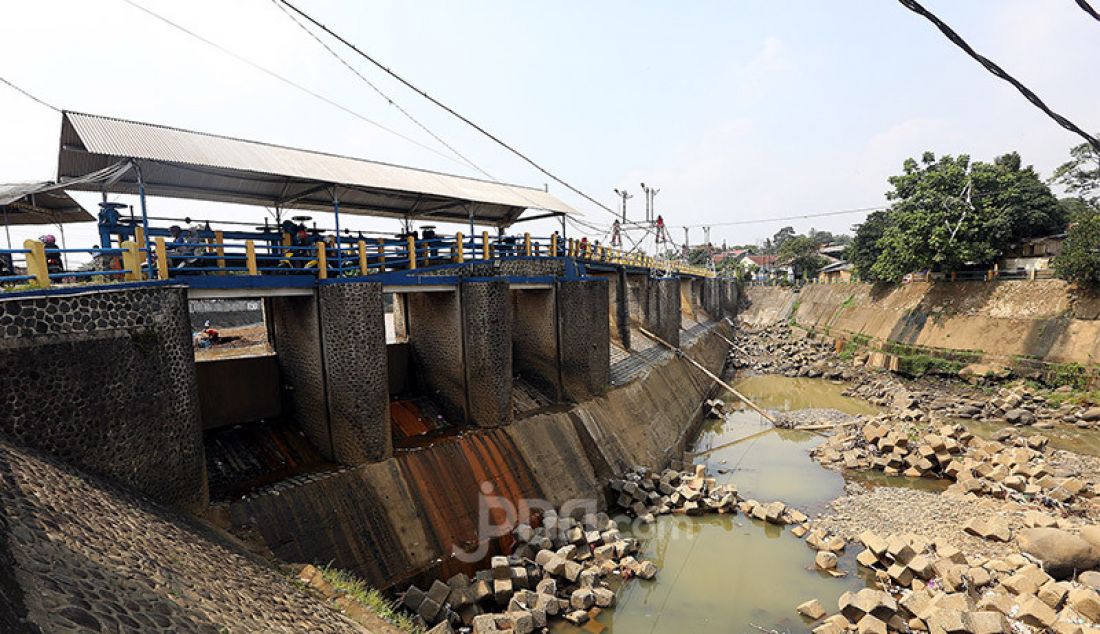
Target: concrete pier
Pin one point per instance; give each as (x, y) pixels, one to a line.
(106, 381)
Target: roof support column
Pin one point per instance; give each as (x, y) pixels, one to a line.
(144, 219)
(339, 247)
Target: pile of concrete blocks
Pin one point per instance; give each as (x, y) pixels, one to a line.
(646, 494)
(931, 586)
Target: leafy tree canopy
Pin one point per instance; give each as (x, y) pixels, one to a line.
(863, 251)
(1080, 176)
(949, 213)
(1079, 261)
(801, 253)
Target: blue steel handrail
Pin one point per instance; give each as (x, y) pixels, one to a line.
(161, 255)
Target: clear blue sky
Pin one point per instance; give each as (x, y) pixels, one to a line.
(737, 110)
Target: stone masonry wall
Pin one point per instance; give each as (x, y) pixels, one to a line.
(535, 339)
(487, 334)
(354, 342)
(105, 380)
(584, 338)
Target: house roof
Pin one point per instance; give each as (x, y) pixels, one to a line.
(763, 260)
(836, 266)
(182, 163)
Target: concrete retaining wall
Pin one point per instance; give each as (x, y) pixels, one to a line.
(1041, 319)
(105, 380)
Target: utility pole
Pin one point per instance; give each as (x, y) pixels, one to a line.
(650, 194)
(625, 196)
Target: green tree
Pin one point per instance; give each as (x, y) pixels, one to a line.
(1080, 176)
(800, 253)
(949, 213)
(863, 251)
(1079, 261)
(775, 243)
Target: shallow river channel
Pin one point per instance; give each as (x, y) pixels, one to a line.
(721, 573)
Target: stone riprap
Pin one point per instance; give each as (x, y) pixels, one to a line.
(80, 555)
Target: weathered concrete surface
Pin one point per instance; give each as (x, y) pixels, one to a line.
(535, 339)
(106, 380)
(1042, 319)
(389, 520)
(584, 338)
(435, 340)
(487, 343)
(729, 297)
(238, 390)
(297, 325)
(78, 554)
(662, 308)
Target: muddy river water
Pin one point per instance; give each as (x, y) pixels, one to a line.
(721, 573)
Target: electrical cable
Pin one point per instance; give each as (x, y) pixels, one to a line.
(378, 90)
(997, 71)
(447, 108)
(1087, 8)
(285, 80)
(825, 214)
(29, 95)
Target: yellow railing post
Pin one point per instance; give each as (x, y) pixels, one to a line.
(484, 245)
(36, 262)
(162, 258)
(250, 257)
(554, 245)
(527, 244)
(381, 255)
(363, 258)
(131, 261)
(322, 261)
(410, 244)
(219, 248)
(460, 255)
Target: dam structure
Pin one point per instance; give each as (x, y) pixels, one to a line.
(402, 379)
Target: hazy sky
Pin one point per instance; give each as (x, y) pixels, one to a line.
(736, 110)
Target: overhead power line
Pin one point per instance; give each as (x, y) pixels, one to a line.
(1088, 9)
(283, 79)
(997, 71)
(447, 108)
(378, 90)
(824, 214)
(30, 96)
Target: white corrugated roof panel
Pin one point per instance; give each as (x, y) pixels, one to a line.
(190, 164)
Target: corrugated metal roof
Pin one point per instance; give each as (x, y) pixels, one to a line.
(188, 164)
(39, 203)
